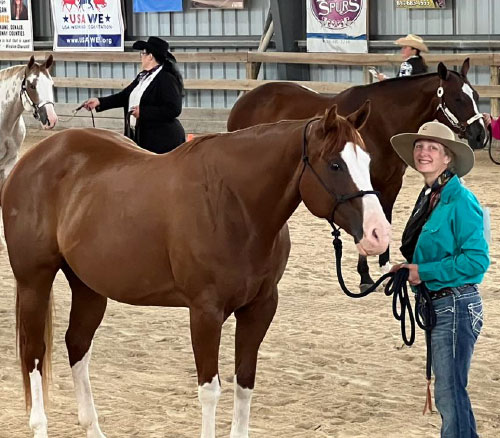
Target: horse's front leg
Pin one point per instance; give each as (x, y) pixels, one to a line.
(384, 258)
(364, 273)
(206, 325)
(252, 322)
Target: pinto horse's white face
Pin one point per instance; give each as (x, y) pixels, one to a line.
(38, 92)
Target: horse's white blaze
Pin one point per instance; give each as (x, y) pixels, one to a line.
(45, 92)
(468, 91)
(38, 419)
(376, 229)
(209, 394)
(241, 413)
(87, 415)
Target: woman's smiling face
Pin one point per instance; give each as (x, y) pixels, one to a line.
(430, 158)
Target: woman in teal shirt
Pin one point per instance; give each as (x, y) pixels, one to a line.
(445, 245)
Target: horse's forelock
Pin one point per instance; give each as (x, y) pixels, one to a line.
(341, 133)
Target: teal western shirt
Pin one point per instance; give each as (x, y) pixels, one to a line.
(452, 250)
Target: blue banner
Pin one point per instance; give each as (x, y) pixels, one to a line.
(157, 5)
(89, 41)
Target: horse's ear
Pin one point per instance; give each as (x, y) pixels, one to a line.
(48, 62)
(358, 118)
(330, 118)
(465, 67)
(31, 63)
(443, 71)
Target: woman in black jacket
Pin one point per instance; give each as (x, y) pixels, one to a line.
(152, 102)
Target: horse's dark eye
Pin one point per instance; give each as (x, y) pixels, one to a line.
(334, 166)
(33, 87)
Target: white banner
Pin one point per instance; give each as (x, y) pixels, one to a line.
(84, 25)
(337, 26)
(16, 30)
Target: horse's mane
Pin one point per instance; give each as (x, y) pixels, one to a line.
(404, 79)
(8, 72)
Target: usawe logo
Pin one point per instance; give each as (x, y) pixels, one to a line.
(336, 14)
(80, 5)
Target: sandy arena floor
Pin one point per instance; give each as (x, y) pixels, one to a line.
(330, 366)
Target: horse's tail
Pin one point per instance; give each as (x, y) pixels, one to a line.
(21, 342)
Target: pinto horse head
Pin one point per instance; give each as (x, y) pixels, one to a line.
(336, 176)
(38, 91)
(458, 105)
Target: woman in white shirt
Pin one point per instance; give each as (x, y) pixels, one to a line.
(153, 101)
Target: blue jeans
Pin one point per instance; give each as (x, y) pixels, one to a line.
(459, 319)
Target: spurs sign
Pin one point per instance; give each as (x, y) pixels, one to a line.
(336, 26)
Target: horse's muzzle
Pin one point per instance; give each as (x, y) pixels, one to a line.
(47, 116)
(477, 136)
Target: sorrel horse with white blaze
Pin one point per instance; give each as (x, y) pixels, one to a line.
(21, 87)
(203, 227)
(397, 105)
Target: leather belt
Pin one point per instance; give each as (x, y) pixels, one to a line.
(441, 293)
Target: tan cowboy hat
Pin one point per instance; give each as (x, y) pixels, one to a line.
(463, 159)
(413, 41)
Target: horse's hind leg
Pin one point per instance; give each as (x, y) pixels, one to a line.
(34, 328)
(252, 322)
(87, 311)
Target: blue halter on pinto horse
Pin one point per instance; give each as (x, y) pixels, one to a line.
(203, 227)
(397, 105)
(23, 87)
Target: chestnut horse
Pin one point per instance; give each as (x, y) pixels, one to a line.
(397, 105)
(203, 227)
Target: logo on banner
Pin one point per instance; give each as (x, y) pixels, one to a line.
(336, 14)
(81, 4)
(84, 12)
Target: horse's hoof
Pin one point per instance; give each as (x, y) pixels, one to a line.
(365, 286)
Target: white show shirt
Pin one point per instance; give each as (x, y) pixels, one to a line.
(136, 94)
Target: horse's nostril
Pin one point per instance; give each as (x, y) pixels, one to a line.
(375, 234)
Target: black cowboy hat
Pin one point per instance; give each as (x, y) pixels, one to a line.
(157, 47)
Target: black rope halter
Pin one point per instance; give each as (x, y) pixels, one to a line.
(35, 106)
(396, 286)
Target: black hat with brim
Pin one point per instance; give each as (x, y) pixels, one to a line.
(157, 47)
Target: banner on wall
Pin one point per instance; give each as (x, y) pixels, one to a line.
(337, 26)
(217, 4)
(421, 4)
(157, 5)
(16, 29)
(87, 25)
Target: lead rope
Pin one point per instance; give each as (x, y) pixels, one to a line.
(74, 114)
(396, 286)
(426, 320)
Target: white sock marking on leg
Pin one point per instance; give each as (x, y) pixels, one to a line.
(209, 394)
(241, 413)
(87, 415)
(38, 419)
